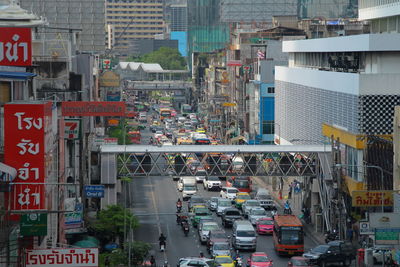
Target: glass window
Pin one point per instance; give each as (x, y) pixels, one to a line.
(268, 127)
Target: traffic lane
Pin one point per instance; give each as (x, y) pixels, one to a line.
(264, 242)
(155, 204)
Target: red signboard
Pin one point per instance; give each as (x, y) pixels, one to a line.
(15, 47)
(25, 128)
(89, 108)
(72, 257)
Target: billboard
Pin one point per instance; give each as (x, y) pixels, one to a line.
(57, 257)
(15, 46)
(26, 139)
(92, 108)
(372, 198)
(109, 79)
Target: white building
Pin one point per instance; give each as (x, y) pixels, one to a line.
(342, 87)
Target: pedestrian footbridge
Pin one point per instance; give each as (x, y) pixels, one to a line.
(210, 160)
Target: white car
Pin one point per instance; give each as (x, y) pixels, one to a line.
(228, 192)
(194, 261)
(256, 213)
(200, 174)
(205, 228)
(158, 134)
(212, 182)
(248, 205)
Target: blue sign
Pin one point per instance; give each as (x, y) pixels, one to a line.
(94, 191)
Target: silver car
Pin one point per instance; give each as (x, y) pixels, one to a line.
(213, 203)
(248, 205)
(256, 213)
(223, 204)
(194, 261)
(220, 248)
(205, 228)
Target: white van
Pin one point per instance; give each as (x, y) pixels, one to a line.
(243, 235)
(188, 186)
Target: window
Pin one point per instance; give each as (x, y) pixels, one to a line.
(268, 127)
(271, 90)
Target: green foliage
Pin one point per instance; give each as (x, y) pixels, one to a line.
(118, 132)
(168, 58)
(116, 257)
(139, 252)
(110, 222)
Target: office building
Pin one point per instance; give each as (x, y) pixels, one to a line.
(134, 19)
(85, 18)
(327, 9)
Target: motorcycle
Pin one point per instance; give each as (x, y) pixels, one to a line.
(185, 228)
(287, 210)
(162, 246)
(178, 208)
(331, 236)
(238, 262)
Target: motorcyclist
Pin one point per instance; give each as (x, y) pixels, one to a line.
(201, 254)
(178, 218)
(288, 210)
(162, 240)
(179, 205)
(151, 140)
(238, 259)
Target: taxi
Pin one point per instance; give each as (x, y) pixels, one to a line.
(200, 130)
(241, 197)
(199, 213)
(224, 261)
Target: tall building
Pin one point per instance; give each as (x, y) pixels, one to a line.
(346, 88)
(256, 10)
(86, 18)
(178, 18)
(327, 9)
(134, 19)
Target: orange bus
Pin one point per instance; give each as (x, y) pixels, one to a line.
(288, 235)
(165, 113)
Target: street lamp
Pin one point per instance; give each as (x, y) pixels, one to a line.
(367, 166)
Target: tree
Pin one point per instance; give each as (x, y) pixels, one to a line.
(111, 221)
(168, 58)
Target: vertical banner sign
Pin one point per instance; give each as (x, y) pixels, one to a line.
(71, 129)
(25, 129)
(106, 64)
(15, 46)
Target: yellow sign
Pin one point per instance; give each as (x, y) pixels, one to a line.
(372, 198)
(109, 79)
(227, 104)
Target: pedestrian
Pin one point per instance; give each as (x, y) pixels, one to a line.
(349, 234)
(290, 192)
(152, 261)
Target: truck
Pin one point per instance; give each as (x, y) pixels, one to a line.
(337, 251)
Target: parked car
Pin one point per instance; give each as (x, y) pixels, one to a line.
(259, 259)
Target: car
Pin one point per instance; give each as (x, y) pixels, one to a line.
(199, 212)
(224, 261)
(213, 203)
(265, 198)
(216, 236)
(168, 121)
(195, 261)
(220, 248)
(255, 214)
(205, 228)
(378, 251)
(298, 261)
(265, 225)
(223, 204)
(158, 134)
(249, 204)
(229, 216)
(228, 192)
(200, 174)
(259, 259)
(240, 198)
(196, 200)
(337, 251)
(212, 183)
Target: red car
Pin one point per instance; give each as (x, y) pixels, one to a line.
(265, 226)
(259, 259)
(298, 262)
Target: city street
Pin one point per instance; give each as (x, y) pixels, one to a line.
(153, 201)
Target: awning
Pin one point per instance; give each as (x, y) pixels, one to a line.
(16, 75)
(9, 170)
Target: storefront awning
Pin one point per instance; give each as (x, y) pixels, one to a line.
(16, 75)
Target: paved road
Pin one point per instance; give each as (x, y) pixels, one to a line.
(153, 201)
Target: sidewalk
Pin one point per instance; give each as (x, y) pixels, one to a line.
(309, 229)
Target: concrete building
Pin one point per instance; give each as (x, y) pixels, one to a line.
(133, 20)
(344, 88)
(85, 18)
(145, 46)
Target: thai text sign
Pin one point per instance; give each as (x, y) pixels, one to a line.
(15, 47)
(372, 198)
(89, 108)
(25, 131)
(94, 191)
(33, 224)
(81, 257)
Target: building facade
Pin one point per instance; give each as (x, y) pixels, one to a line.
(85, 18)
(134, 19)
(327, 9)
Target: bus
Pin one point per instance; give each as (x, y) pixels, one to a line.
(186, 109)
(242, 183)
(165, 113)
(288, 235)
